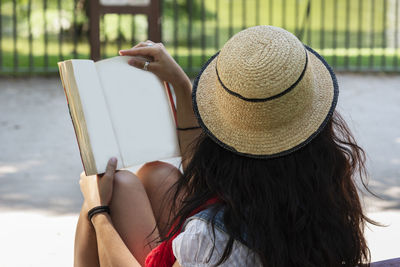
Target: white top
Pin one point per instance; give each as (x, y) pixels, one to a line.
(193, 246)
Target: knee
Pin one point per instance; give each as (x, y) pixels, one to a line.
(153, 174)
(126, 180)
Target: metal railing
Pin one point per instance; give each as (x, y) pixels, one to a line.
(353, 35)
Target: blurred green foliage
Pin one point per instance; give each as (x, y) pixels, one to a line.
(351, 34)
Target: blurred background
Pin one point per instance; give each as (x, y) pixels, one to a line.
(39, 157)
(354, 35)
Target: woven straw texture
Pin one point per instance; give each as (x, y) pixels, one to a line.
(278, 93)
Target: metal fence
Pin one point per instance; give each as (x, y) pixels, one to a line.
(353, 35)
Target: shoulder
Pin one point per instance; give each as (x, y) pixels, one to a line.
(199, 245)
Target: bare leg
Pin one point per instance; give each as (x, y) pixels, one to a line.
(158, 178)
(132, 215)
(132, 212)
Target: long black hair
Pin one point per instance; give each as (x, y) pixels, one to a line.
(301, 209)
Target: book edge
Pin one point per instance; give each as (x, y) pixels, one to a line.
(76, 111)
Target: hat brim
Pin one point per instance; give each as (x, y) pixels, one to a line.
(277, 141)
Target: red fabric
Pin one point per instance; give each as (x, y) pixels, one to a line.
(162, 255)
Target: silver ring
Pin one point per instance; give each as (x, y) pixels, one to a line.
(146, 64)
(149, 44)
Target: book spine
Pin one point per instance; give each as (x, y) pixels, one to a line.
(77, 117)
(60, 65)
(76, 136)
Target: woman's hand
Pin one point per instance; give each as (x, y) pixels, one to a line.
(97, 189)
(165, 67)
(161, 62)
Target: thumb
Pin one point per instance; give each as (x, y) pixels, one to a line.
(110, 169)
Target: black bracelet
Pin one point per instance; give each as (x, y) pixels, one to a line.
(188, 128)
(98, 209)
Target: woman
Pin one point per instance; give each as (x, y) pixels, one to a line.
(269, 168)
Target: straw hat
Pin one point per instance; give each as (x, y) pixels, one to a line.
(265, 94)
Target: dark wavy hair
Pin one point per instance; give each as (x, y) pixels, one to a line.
(301, 209)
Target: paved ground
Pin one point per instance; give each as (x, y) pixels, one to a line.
(40, 166)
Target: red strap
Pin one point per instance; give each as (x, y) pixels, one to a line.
(171, 102)
(162, 255)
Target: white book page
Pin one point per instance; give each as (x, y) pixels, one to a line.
(101, 133)
(141, 116)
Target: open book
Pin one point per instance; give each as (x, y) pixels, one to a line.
(118, 110)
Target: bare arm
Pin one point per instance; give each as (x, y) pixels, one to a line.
(111, 248)
(99, 244)
(186, 118)
(85, 249)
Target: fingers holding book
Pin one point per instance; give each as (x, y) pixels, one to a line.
(155, 58)
(141, 63)
(145, 51)
(145, 44)
(97, 189)
(144, 61)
